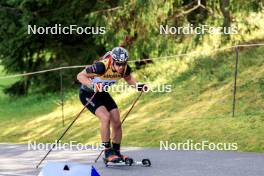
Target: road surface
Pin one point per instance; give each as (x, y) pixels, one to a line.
(17, 160)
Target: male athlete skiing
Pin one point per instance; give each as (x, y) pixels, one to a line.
(103, 73)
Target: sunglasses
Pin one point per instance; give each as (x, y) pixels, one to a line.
(120, 64)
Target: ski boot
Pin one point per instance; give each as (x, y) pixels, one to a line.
(110, 156)
(128, 161)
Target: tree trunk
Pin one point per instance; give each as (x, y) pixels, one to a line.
(224, 6)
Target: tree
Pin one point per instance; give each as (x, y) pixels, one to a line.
(140, 20)
(22, 52)
(224, 6)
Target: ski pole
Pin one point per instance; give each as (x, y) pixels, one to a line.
(135, 101)
(78, 115)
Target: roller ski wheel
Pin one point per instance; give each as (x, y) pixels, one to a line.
(129, 161)
(146, 162)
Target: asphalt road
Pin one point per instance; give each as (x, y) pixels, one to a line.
(17, 160)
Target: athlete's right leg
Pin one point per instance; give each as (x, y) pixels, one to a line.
(104, 117)
(97, 107)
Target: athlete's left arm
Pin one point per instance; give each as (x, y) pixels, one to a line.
(132, 81)
(128, 77)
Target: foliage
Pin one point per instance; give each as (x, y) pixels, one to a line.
(22, 52)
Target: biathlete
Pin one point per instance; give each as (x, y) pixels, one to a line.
(103, 73)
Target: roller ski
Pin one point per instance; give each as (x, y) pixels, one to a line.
(118, 159)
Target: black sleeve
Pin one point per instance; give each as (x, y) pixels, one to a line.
(97, 68)
(128, 71)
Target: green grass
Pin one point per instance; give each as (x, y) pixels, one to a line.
(25, 107)
(198, 108)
